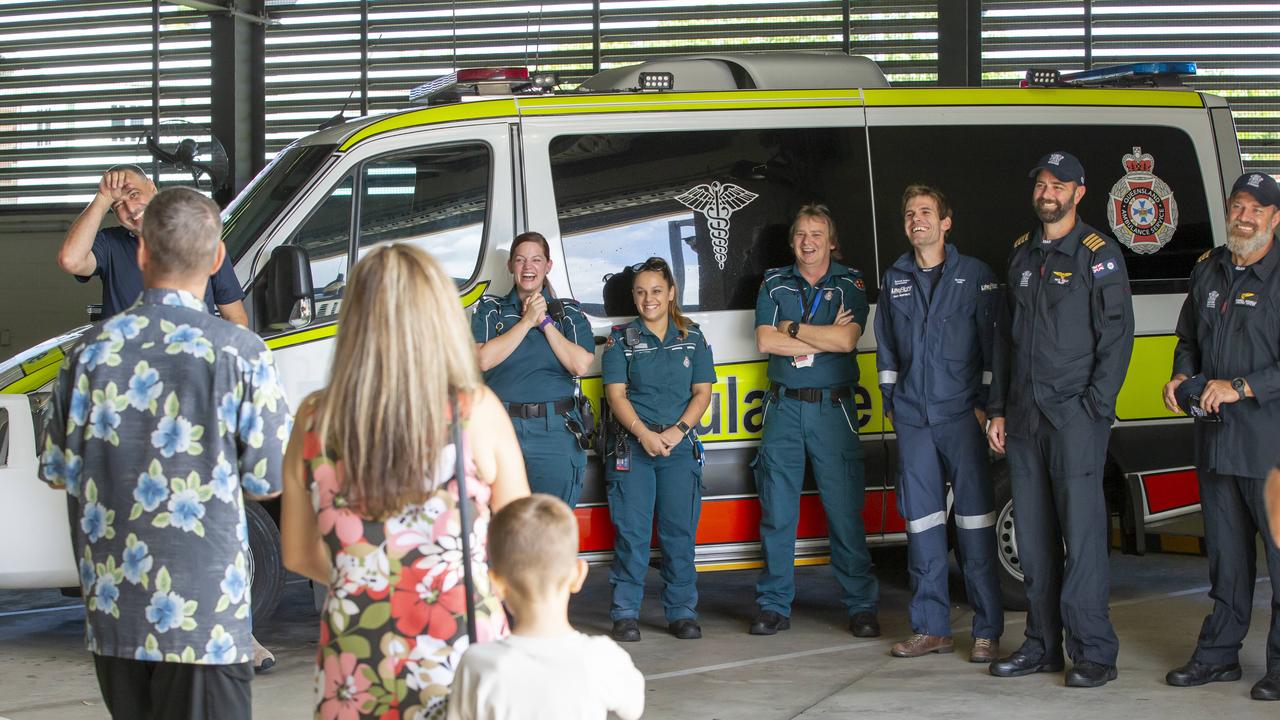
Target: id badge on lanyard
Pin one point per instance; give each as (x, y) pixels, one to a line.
(804, 361)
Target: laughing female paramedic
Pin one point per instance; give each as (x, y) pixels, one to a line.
(531, 348)
(658, 374)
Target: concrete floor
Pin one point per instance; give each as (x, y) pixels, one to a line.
(815, 670)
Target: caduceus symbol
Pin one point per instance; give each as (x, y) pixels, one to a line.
(717, 202)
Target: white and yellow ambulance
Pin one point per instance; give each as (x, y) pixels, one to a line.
(703, 160)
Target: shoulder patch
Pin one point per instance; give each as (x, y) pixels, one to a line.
(1204, 257)
(618, 328)
(857, 282)
(1021, 239)
(1094, 242)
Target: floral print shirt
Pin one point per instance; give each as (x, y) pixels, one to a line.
(160, 416)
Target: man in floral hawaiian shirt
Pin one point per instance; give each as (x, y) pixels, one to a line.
(162, 414)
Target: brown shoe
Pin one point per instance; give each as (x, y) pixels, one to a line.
(985, 650)
(920, 644)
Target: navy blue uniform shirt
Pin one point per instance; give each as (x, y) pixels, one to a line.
(934, 349)
(116, 250)
(659, 374)
(1229, 328)
(786, 295)
(1065, 332)
(531, 373)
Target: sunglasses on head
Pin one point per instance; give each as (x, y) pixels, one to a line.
(653, 263)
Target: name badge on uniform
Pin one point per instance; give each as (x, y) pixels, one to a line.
(802, 361)
(1247, 299)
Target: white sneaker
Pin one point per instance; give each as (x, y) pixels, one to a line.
(263, 660)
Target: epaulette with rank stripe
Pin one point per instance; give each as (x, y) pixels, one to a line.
(1021, 239)
(1204, 257)
(1094, 242)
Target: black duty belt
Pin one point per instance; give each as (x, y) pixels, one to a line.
(813, 395)
(537, 410)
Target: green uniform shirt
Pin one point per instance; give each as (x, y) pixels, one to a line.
(531, 373)
(786, 295)
(659, 374)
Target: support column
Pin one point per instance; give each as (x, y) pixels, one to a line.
(238, 93)
(960, 43)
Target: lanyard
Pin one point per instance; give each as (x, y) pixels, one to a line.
(813, 306)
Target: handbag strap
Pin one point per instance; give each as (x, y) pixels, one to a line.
(464, 520)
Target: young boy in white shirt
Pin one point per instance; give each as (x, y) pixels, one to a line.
(545, 669)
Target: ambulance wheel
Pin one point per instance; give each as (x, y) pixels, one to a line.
(1013, 593)
(265, 566)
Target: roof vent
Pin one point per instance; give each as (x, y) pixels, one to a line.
(745, 71)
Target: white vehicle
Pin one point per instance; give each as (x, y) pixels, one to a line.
(707, 175)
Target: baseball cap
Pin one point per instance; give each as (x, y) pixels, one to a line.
(1063, 165)
(1261, 186)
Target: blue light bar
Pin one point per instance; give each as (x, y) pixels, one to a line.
(1133, 71)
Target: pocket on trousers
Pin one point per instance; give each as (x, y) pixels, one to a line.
(760, 473)
(853, 468)
(578, 461)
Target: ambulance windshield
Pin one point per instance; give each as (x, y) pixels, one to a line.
(267, 194)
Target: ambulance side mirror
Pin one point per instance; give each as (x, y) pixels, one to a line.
(283, 294)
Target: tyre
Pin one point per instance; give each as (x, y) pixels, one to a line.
(265, 566)
(1013, 593)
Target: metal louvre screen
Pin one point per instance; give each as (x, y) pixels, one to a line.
(314, 55)
(75, 76)
(1236, 47)
(632, 31)
(312, 66)
(75, 83)
(901, 36)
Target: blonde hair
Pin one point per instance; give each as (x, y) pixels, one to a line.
(533, 545)
(818, 211)
(403, 352)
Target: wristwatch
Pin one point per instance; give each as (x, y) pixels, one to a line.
(793, 329)
(683, 427)
(1238, 385)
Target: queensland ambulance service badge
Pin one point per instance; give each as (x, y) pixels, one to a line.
(1142, 212)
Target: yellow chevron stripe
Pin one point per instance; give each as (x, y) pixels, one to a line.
(433, 116)
(881, 97)
(469, 298)
(1021, 239)
(1204, 257)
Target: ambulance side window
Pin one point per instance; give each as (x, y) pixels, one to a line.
(436, 198)
(716, 204)
(326, 236)
(1163, 201)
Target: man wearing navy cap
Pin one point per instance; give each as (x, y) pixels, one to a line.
(1229, 346)
(1062, 351)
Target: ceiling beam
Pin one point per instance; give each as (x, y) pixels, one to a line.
(228, 8)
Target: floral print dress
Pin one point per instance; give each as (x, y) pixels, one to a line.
(394, 624)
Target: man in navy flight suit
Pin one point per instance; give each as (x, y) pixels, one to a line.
(935, 324)
(1227, 362)
(1062, 352)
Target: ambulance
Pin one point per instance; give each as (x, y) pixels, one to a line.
(703, 160)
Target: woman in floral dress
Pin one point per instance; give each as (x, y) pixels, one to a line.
(371, 506)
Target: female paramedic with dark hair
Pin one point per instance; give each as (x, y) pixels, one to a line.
(531, 347)
(658, 374)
